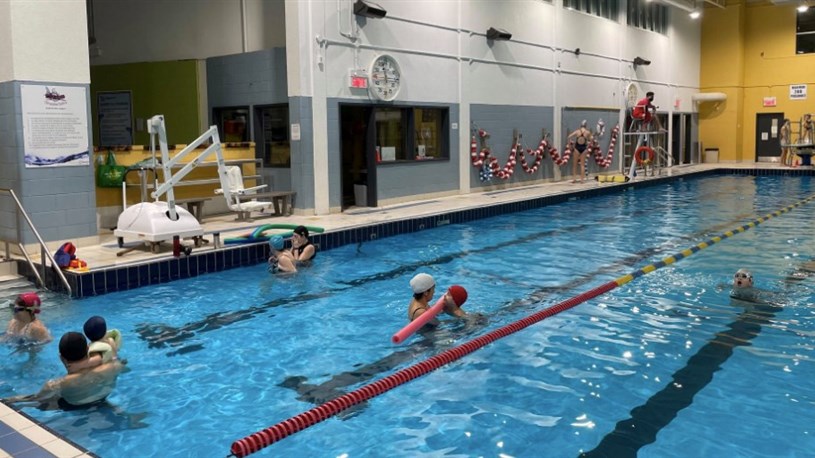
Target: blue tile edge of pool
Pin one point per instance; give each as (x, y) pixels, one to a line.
(112, 279)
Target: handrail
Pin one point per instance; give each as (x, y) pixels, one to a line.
(43, 247)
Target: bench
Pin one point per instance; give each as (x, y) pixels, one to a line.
(195, 205)
(283, 202)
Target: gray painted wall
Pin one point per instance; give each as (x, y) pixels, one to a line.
(571, 119)
(61, 201)
(252, 79)
(395, 180)
(500, 121)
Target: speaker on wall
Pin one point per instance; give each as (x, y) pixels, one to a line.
(369, 9)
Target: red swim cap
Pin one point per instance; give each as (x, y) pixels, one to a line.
(459, 294)
(30, 301)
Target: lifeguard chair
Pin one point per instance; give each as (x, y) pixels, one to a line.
(648, 153)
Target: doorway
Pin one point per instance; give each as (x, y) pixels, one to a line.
(768, 143)
(358, 159)
(681, 138)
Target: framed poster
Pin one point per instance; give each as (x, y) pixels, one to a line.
(55, 125)
(115, 114)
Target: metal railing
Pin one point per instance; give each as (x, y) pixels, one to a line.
(44, 253)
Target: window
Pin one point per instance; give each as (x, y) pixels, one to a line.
(408, 134)
(805, 32)
(233, 123)
(648, 16)
(274, 146)
(602, 8)
(390, 141)
(428, 133)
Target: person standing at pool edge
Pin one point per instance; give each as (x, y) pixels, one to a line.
(424, 287)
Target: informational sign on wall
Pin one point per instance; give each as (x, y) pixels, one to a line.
(115, 111)
(55, 125)
(798, 91)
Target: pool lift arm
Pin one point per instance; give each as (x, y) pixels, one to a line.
(158, 221)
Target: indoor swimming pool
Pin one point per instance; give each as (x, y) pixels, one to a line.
(666, 365)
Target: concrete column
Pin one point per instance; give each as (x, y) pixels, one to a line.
(307, 101)
(43, 42)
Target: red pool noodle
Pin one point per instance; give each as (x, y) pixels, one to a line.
(459, 296)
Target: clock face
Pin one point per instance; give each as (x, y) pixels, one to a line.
(386, 78)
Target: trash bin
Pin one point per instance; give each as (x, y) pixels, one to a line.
(361, 195)
(711, 156)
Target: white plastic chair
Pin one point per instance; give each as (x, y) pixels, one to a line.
(236, 195)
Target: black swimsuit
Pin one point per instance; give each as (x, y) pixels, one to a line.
(300, 250)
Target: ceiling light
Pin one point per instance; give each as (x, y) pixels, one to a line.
(695, 14)
(803, 8)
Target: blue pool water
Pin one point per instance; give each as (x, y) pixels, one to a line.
(683, 369)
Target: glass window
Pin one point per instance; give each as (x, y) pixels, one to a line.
(274, 125)
(602, 8)
(647, 15)
(411, 134)
(805, 32)
(428, 133)
(390, 140)
(233, 123)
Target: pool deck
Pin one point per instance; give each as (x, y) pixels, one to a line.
(21, 437)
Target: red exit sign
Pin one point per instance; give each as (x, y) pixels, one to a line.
(360, 82)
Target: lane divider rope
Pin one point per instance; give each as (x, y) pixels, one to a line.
(259, 440)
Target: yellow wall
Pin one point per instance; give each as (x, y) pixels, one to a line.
(108, 197)
(748, 52)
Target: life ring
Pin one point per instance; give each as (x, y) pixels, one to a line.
(640, 159)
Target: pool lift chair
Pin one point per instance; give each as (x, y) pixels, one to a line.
(158, 221)
(237, 197)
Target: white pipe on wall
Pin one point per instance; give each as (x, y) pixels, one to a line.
(709, 97)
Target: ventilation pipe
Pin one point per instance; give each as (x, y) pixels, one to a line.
(709, 97)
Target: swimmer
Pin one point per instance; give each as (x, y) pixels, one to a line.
(424, 286)
(582, 140)
(743, 290)
(302, 251)
(77, 389)
(24, 325)
(104, 346)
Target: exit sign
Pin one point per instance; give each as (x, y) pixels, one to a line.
(358, 79)
(769, 102)
(359, 82)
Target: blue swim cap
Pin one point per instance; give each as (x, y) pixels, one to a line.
(276, 242)
(95, 328)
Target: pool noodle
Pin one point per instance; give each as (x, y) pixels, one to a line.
(414, 325)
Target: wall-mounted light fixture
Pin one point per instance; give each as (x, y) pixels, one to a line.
(696, 12)
(640, 61)
(498, 34)
(369, 9)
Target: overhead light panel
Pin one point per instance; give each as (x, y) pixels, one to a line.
(498, 34)
(369, 9)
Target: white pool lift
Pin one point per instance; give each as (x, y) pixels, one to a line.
(159, 221)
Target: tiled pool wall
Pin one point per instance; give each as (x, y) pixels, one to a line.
(108, 280)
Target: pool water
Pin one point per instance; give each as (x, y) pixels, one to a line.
(664, 366)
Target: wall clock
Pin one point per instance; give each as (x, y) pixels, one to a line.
(386, 78)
